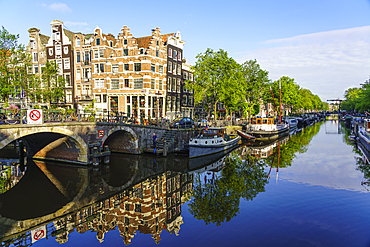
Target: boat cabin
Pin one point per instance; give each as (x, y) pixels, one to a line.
(262, 121)
(214, 131)
(367, 125)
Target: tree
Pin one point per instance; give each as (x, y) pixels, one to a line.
(53, 84)
(215, 74)
(254, 84)
(15, 65)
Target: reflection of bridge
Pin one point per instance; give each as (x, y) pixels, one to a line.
(74, 141)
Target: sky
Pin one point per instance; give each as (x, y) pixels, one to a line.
(323, 44)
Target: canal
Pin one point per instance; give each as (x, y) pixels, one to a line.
(308, 189)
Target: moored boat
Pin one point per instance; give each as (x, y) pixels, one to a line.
(212, 140)
(245, 135)
(292, 121)
(364, 134)
(265, 129)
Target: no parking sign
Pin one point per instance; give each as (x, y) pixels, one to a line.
(38, 233)
(34, 116)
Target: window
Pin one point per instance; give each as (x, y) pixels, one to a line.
(78, 74)
(141, 51)
(78, 54)
(152, 67)
(137, 67)
(110, 43)
(68, 80)
(169, 67)
(98, 98)
(86, 73)
(169, 84)
(138, 83)
(50, 51)
(115, 68)
(114, 84)
(35, 69)
(101, 53)
(65, 50)
(99, 83)
(78, 42)
(190, 77)
(179, 69)
(126, 67)
(125, 41)
(160, 85)
(169, 52)
(157, 53)
(57, 36)
(66, 63)
(174, 69)
(160, 69)
(157, 42)
(125, 52)
(96, 53)
(35, 58)
(69, 97)
(32, 44)
(59, 64)
(179, 56)
(127, 83)
(98, 41)
(174, 55)
(152, 83)
(86, 90)
(178, 85)
(58, 50)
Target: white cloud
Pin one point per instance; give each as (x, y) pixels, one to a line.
(60, 7)
(327, 63)
(74, 24)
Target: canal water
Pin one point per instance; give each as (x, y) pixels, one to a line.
(307, 189)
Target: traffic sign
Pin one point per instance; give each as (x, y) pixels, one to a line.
(100, 133)
(38, 233)
(34, 116)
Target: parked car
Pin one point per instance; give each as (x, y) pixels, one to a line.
(182, 123)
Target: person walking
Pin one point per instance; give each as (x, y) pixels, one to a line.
(154, 140)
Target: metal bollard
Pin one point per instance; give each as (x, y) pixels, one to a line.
(95, 158)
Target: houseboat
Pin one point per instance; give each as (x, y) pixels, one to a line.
(264, 129)
(211, 141)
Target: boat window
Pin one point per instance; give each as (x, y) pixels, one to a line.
(213, 142)
(258, 121)
(264, 121)
(253, 121)
(206, 142)
(196, 141)
(271, 121)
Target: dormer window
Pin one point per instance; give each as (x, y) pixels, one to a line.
(78, 42)
(98, 41)
(125, 41)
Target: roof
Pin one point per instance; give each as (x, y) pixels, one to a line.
(44, 39)
(145, 41)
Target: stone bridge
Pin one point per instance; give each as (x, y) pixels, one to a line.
(74, 141)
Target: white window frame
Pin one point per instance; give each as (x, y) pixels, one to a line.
(67, 64)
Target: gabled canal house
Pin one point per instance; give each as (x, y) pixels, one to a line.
(128, 73)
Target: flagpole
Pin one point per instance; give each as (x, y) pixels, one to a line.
(280, 100)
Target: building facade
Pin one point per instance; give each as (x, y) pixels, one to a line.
(140, 77)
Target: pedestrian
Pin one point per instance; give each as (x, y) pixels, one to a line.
(154, 140)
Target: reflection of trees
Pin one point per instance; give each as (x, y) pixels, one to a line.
(217, 200)
(5, 180)
(297, 143)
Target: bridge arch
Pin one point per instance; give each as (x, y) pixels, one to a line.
(37, 145)
(122, 139)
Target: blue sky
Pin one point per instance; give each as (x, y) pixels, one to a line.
(323, 44)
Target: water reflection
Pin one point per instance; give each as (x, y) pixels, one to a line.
(145, 194)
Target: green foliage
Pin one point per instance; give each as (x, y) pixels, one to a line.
(54, 84)
(357, 99)
(15, 65)
(217, 200)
